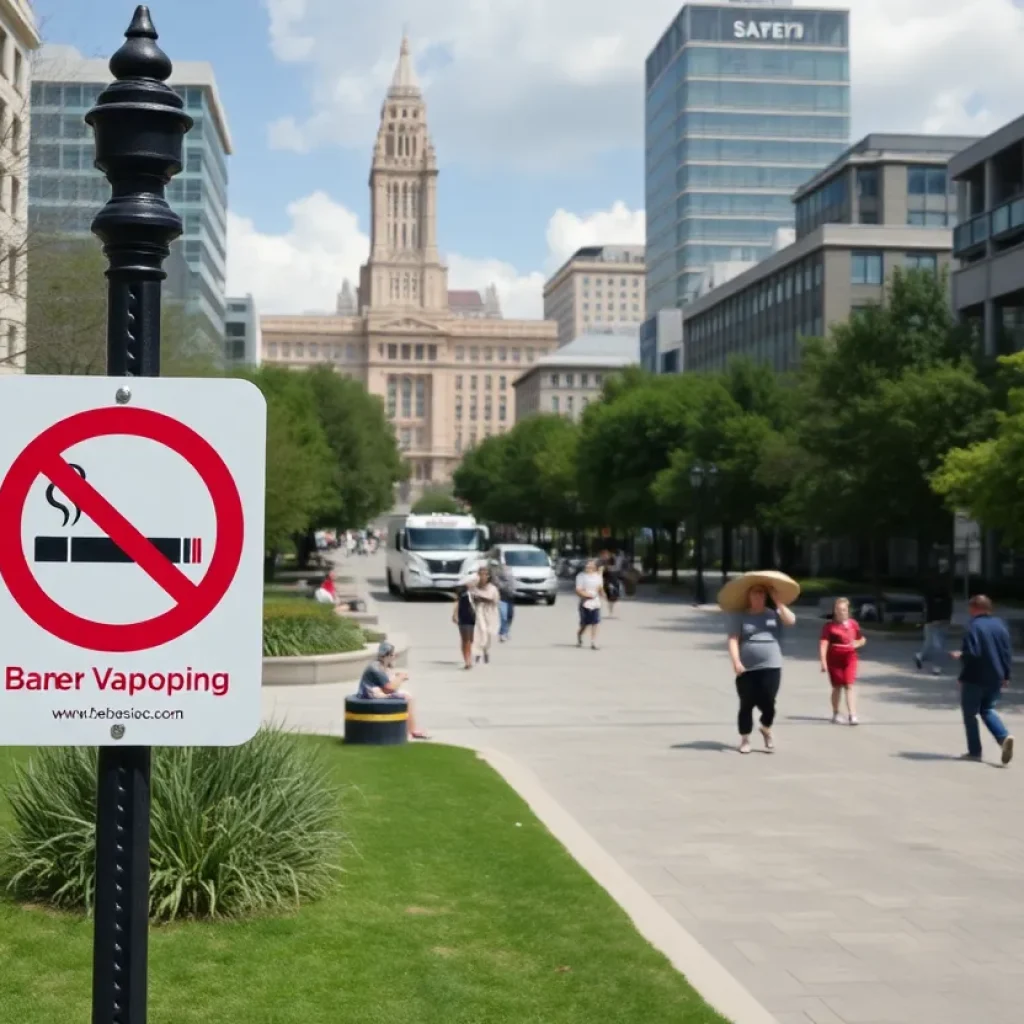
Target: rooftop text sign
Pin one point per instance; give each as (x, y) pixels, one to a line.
(781, 30)
(131, 553)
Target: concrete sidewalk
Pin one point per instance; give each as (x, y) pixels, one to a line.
(859, 876)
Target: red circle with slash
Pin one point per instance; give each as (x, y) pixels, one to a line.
(193, 601)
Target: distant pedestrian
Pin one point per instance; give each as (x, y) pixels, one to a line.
(841, 639)
(612, 582)
(758, 604)
(986, 664)
(327, 590)
(464, 616)
(486, 600)
(589, 585)
(938, 611)
(506, 585)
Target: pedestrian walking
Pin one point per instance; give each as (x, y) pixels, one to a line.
(506, 585)
(841, 639)
(938, 610)
(758, 607)
(612, 582)
(589, 585)
(485, 603)
(986, 664)
(464, 616)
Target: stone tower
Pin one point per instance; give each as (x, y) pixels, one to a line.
(404, 271)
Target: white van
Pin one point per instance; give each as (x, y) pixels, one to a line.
(433, 552)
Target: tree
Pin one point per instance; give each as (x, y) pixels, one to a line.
(986, 478)
(481, 479)
(883, 399)
(437, 500)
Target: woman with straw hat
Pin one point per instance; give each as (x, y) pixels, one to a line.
(757, 604)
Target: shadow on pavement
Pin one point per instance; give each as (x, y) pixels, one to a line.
(923, 755)
(707, 745)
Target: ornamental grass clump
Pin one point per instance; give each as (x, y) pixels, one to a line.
(296, 627)
(236, 831)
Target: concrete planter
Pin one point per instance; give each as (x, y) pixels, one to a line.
(325, 669)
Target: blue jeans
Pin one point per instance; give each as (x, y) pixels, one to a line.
(934, 649)
(507, 612)
(978, 700)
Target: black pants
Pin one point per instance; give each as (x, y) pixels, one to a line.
(759, 689)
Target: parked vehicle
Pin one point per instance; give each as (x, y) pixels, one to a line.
(530, 568)
(432, 553)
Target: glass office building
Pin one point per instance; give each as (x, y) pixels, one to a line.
(65, 190)
(744, 103)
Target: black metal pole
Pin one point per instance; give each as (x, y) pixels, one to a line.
(139, 126)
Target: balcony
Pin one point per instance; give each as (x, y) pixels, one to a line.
(999, 225)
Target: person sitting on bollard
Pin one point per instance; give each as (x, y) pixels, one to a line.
(381, 681)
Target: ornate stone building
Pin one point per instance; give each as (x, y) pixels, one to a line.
(443, 362)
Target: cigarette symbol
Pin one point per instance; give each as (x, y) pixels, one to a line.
(93, 550)
(63, 508)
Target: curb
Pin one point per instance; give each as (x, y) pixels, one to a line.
(710, 979)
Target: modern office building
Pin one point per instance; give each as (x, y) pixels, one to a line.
(19, 37)
(988, 284)
(65, 190)
(599, 286)
(443, 362)
(661, 342)
(242, 342)
(886, 202)
(744, 103)
(570, 378)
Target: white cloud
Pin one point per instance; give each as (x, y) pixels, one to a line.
(302, 269)
(549, 84)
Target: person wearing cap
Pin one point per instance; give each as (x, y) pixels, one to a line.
(381, 680)
(754, 629)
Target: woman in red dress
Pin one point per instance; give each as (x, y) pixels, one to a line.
(840, 640)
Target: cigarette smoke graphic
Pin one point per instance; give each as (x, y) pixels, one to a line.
(61, 507)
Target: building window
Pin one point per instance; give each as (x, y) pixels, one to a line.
(488, 382)
(569, 378)
(458, 408)
(865, 267)
(598, 380)
(406, 397)
(300, 350)
(392, 351)
(272, 349)
(472, 383)
(314, 349)
(460, 354)
(406, 353)
(421, 397)
(502, 410)
(432, 353)
(419, 353)
(472, 409)
(392, 396)
(488, 354)
(502, 354)
(502, 383)
(922, 261)
(569, 402)
(554, 403)
(458, 442)
(474, 355)
(584, 380)
(554, 380)
(529, 355)
(286, 349)
(458, 382)
(405, 438)
(488, 409)
(516, 355)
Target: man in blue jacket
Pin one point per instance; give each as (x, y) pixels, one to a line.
(986, 659)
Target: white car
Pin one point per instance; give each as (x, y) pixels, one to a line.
(531, 569)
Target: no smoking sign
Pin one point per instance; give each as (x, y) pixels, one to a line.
(131, 560)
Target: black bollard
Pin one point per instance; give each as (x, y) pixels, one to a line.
(139, 125)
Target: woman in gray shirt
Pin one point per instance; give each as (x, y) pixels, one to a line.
(756, 655)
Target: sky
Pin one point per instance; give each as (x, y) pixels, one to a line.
(535, 108)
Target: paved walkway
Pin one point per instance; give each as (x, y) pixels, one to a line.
(858, 876)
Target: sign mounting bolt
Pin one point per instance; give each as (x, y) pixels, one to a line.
(123, 396)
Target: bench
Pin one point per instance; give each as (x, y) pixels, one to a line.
(373, 722)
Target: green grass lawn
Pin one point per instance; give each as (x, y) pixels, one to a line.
(456, 907)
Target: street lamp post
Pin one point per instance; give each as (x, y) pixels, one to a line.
(701, 476)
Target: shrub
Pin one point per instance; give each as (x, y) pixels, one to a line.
(235, 830)
(297, 626)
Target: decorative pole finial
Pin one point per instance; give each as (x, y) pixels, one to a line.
(139, 55)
